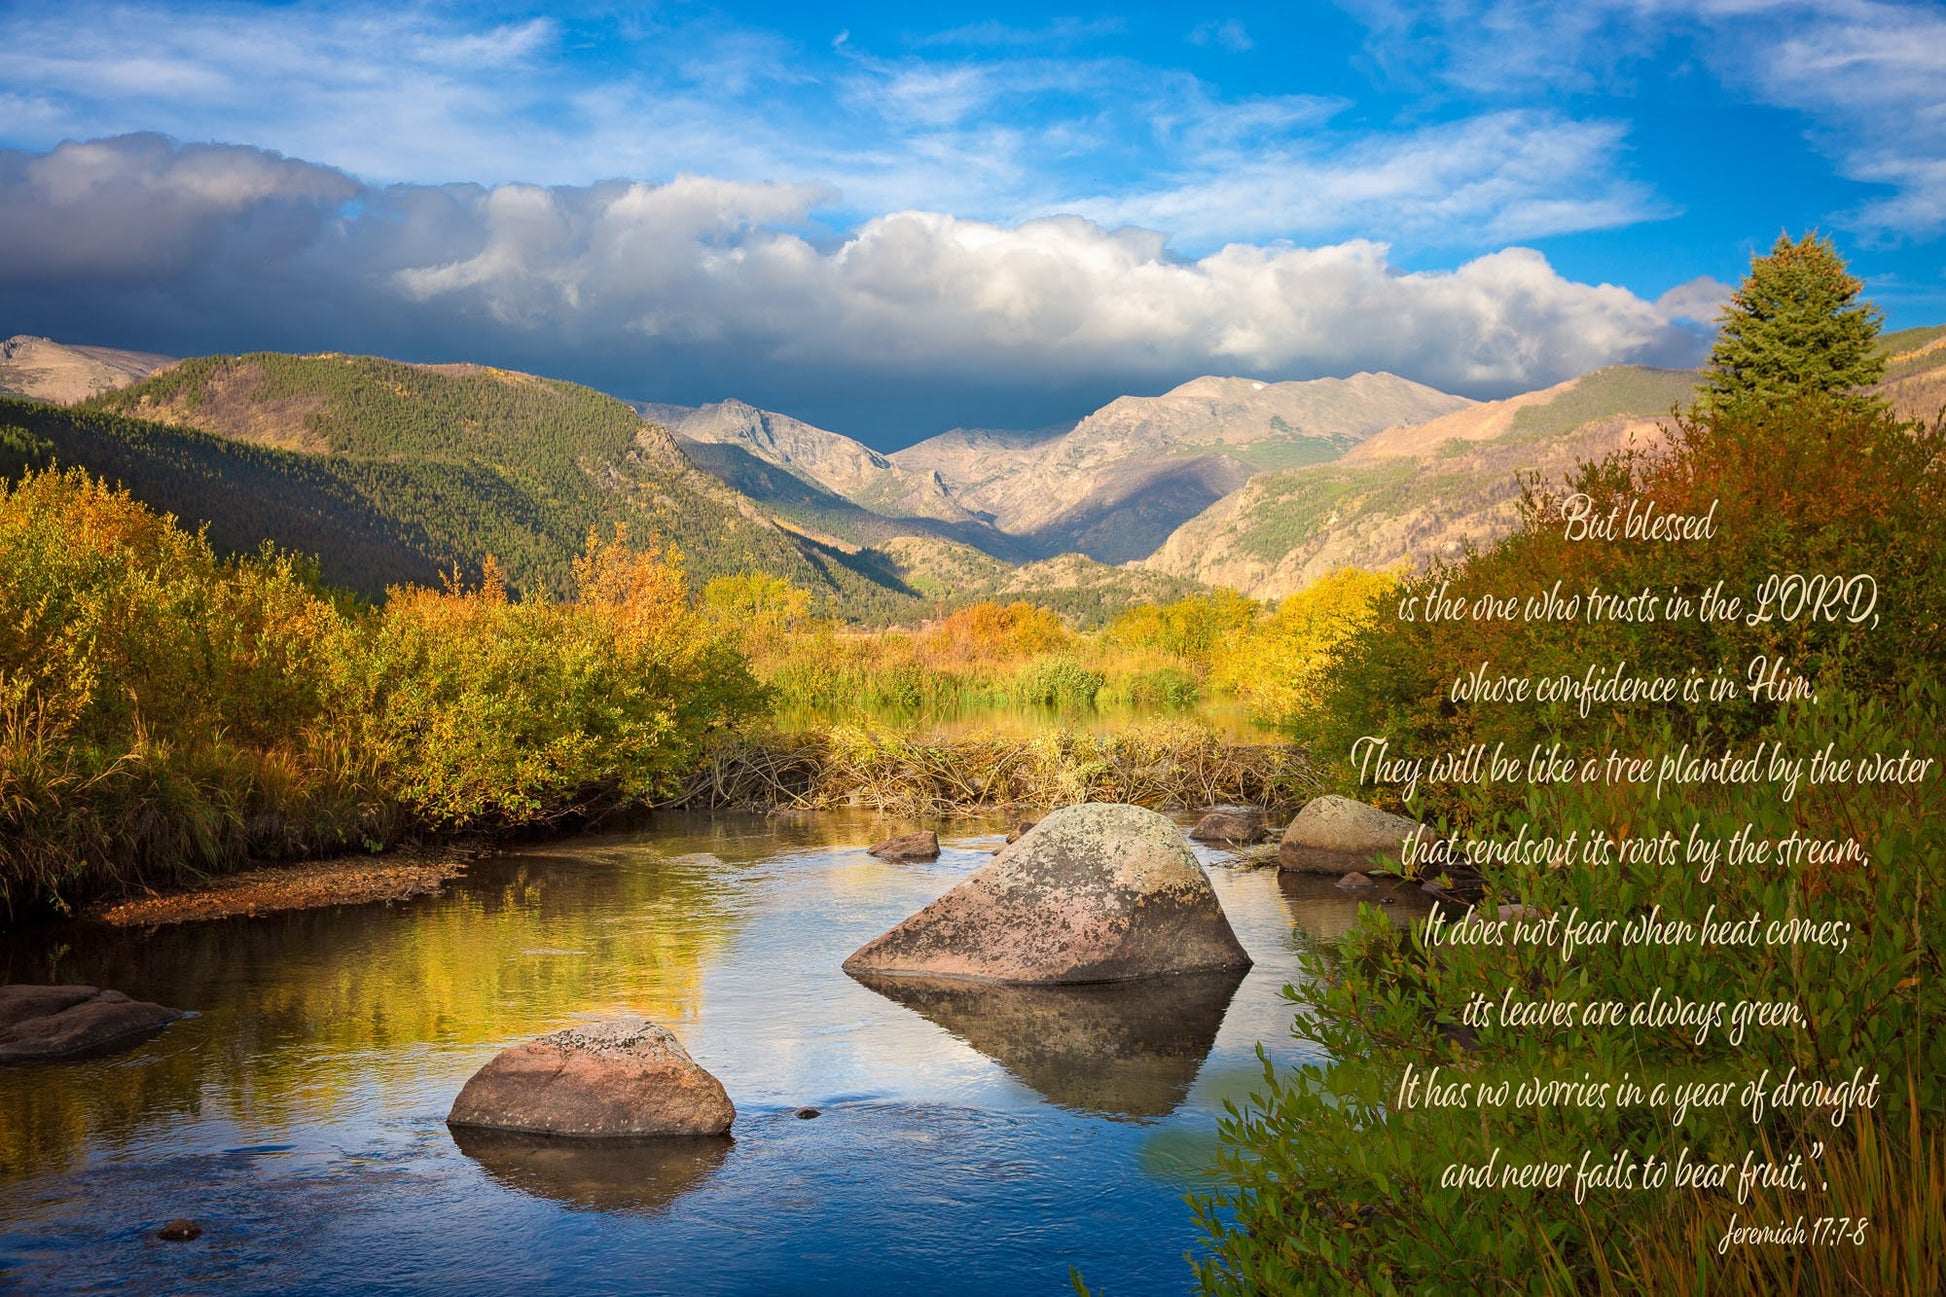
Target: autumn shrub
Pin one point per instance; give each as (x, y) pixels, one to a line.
(1169, 688)
(1058, 682)
(1195, 627)
(489, 711)
(1279, 664)
(987, 632)
(162, 711)
(166, 713)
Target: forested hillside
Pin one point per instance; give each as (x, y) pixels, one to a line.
(391, 472)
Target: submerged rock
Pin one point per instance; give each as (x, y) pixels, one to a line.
(43, 1022)
(1336, 835)
(1094, 893)
(1229, 827)
(624, 1078)
(1355, 882)
(909, 846)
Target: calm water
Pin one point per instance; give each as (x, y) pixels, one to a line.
(975, 1143)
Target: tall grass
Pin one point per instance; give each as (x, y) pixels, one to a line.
(1170, 657)
(1167, 765)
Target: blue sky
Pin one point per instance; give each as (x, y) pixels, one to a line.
(892, 220)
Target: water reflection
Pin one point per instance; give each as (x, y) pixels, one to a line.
(1322, 911)
(301, 1016)
(1119, 1049)
(299, 1117)
(642, 1176)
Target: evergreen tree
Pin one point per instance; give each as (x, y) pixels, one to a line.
(1794, 327)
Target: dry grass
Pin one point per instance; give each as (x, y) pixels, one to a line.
(1169, 765)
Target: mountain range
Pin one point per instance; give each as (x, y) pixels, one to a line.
(394, 472)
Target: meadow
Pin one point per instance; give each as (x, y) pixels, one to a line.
(168, 713)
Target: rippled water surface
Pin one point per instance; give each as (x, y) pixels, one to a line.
(982, 1141)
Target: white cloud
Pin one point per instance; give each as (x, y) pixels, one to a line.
(1495, 179)
(714, 264)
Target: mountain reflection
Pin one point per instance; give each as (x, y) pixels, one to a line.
(1117, 1049)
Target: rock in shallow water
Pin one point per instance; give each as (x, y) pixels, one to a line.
(1229, 827)
(908, 846)
(1094, 893)
(627, 1078)
(1334, 835)
(43, 1022)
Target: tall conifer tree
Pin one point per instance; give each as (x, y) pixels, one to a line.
(1794, 327)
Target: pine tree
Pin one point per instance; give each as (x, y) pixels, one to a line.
(1794, 328)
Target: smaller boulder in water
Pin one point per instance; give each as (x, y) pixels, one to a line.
(909, 846)
(1336, 835)
(1229, 827)
(44, 1022)
(625, 1078)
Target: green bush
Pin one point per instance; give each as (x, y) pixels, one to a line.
(1058, 682)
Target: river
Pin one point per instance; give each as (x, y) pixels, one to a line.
(966, 1144)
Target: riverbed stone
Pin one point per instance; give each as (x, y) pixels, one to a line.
(1229, 827)
(1336, 835)
(624, 1078)
(1355, 882)
(44, 1022)
(909, 846)
(1093, 893)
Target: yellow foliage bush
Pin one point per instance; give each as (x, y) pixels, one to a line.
(1278, 665)
(166, 712)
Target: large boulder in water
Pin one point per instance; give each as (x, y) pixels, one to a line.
(38, 1022)
(1336, 835)
(1094, 893)
(626, 1078)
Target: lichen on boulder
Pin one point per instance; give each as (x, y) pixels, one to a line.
(624, 1078)
(1092, 893)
